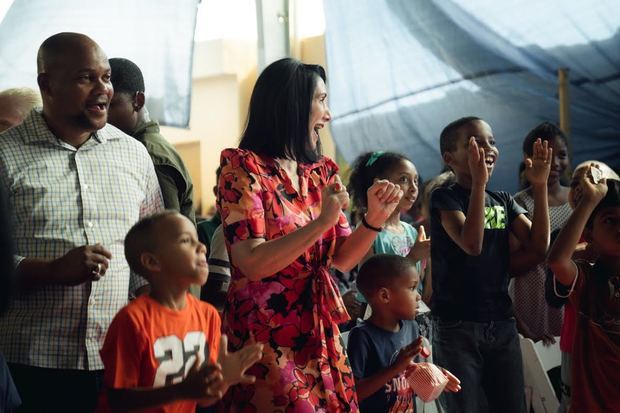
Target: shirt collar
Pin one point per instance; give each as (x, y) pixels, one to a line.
(36, 130)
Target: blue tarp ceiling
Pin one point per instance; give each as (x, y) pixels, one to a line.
(400, 70)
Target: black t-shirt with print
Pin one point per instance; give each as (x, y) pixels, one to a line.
(371, 349)
(465, 287)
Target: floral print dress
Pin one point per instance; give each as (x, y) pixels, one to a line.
(296, 311)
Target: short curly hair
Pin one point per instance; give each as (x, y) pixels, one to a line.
(126, 76)
(381, 271)
(141, 238)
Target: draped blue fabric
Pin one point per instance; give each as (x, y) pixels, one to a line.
(400, 70)
(157, 35)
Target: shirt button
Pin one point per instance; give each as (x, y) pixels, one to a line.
(89, 224)
(86, 186)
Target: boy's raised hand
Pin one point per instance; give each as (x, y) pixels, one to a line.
(537, 167)
(235, 364)
(477, 163)
(406, 355)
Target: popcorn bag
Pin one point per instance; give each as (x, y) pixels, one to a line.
(426, 380)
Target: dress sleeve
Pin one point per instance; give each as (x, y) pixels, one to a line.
(240, 200)
(122, 353)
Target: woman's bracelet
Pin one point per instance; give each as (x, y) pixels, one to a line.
(370, 227)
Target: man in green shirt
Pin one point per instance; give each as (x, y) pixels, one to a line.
(128, 113)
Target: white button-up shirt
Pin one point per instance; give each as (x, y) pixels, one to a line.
(62, 197)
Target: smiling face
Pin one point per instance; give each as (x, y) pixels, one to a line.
(76, 87)
(179, 253)
(405, 175)
(560, 162)
(457, 159)
(319, 113)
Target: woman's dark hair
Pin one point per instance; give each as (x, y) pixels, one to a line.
(279, 113)
(366, 168)
(546, 131)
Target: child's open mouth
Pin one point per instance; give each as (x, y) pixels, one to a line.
(490, 161)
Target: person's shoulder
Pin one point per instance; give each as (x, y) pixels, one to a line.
(363, 330)
(111, 132)
(155, 142)
(448, 196)
(408, 227)
(328, 163)
(499, 193)
(500, 196)
(11, 138)
(448, 189)
(120, 139)
(33, 128)
(204, 308)
(242, 158)
(523, 194)
(158, 147)
(324, 167)
(137, 312)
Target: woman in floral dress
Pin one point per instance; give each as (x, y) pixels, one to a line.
(281, 206)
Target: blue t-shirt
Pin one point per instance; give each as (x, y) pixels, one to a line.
(466, 287)
(395, 243)
(372, 349)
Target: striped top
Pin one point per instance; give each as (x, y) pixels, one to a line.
(64, 197)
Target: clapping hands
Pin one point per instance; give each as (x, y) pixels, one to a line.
(334, 199)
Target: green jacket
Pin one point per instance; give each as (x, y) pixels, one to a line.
(174, 179)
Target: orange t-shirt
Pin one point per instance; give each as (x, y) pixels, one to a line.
(150, 345)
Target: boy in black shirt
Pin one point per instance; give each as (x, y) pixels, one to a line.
(383, 347)
(475, 332)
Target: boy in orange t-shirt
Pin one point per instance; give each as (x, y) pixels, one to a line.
(164, 351)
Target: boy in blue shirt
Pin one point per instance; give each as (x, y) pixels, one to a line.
(383, 347)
